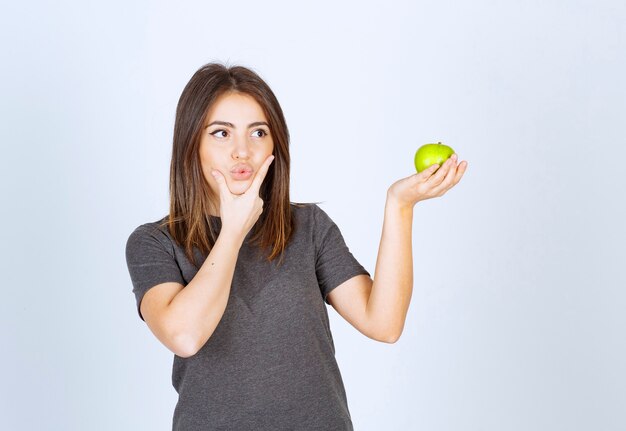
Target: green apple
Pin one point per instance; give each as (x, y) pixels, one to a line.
(430, 154)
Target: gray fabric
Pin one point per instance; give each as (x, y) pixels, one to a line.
(270, 363)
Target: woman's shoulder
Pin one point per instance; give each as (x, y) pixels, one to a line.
(312, 215)
(154, 229)
(302, 206)
(312, 209)
(305, 210)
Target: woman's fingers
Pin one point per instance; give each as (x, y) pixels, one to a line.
(453, 176)
(222, 187)
(446, 183)
(441, 173)
(255, 187)
(423, 176)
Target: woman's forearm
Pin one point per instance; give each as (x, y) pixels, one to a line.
(393, 281)
(196, 310)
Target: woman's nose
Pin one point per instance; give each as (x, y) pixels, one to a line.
(241, 149)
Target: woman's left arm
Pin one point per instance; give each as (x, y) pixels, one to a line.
(390, 296)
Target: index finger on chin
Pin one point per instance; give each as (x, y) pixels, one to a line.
(260, 176)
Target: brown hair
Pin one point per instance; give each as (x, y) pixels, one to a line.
(189, 222)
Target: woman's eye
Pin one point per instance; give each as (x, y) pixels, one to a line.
(263, 133)
(217, 131)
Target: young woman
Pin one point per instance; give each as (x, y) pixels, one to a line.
(234, 280)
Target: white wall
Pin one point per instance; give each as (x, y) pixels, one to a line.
(517, 316)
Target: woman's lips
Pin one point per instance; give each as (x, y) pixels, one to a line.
(241, 176)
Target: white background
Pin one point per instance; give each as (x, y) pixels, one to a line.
(517, 318)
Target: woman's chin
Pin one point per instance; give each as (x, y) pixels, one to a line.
(239, 187)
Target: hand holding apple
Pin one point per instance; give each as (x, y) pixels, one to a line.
(429, 182)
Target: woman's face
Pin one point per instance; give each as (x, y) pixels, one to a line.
(236, 138)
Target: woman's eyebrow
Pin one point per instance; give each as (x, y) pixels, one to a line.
(231, 125)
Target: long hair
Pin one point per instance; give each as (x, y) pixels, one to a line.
(189, 222)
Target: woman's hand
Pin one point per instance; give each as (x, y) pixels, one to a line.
(240, 212)
(429, 183)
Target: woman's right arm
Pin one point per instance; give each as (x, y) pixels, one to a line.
(185, 323)
(195, 311)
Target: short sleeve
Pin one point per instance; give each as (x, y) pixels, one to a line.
(334, 262)
(151, 261)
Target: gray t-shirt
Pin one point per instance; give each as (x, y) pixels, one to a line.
(270, 363)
